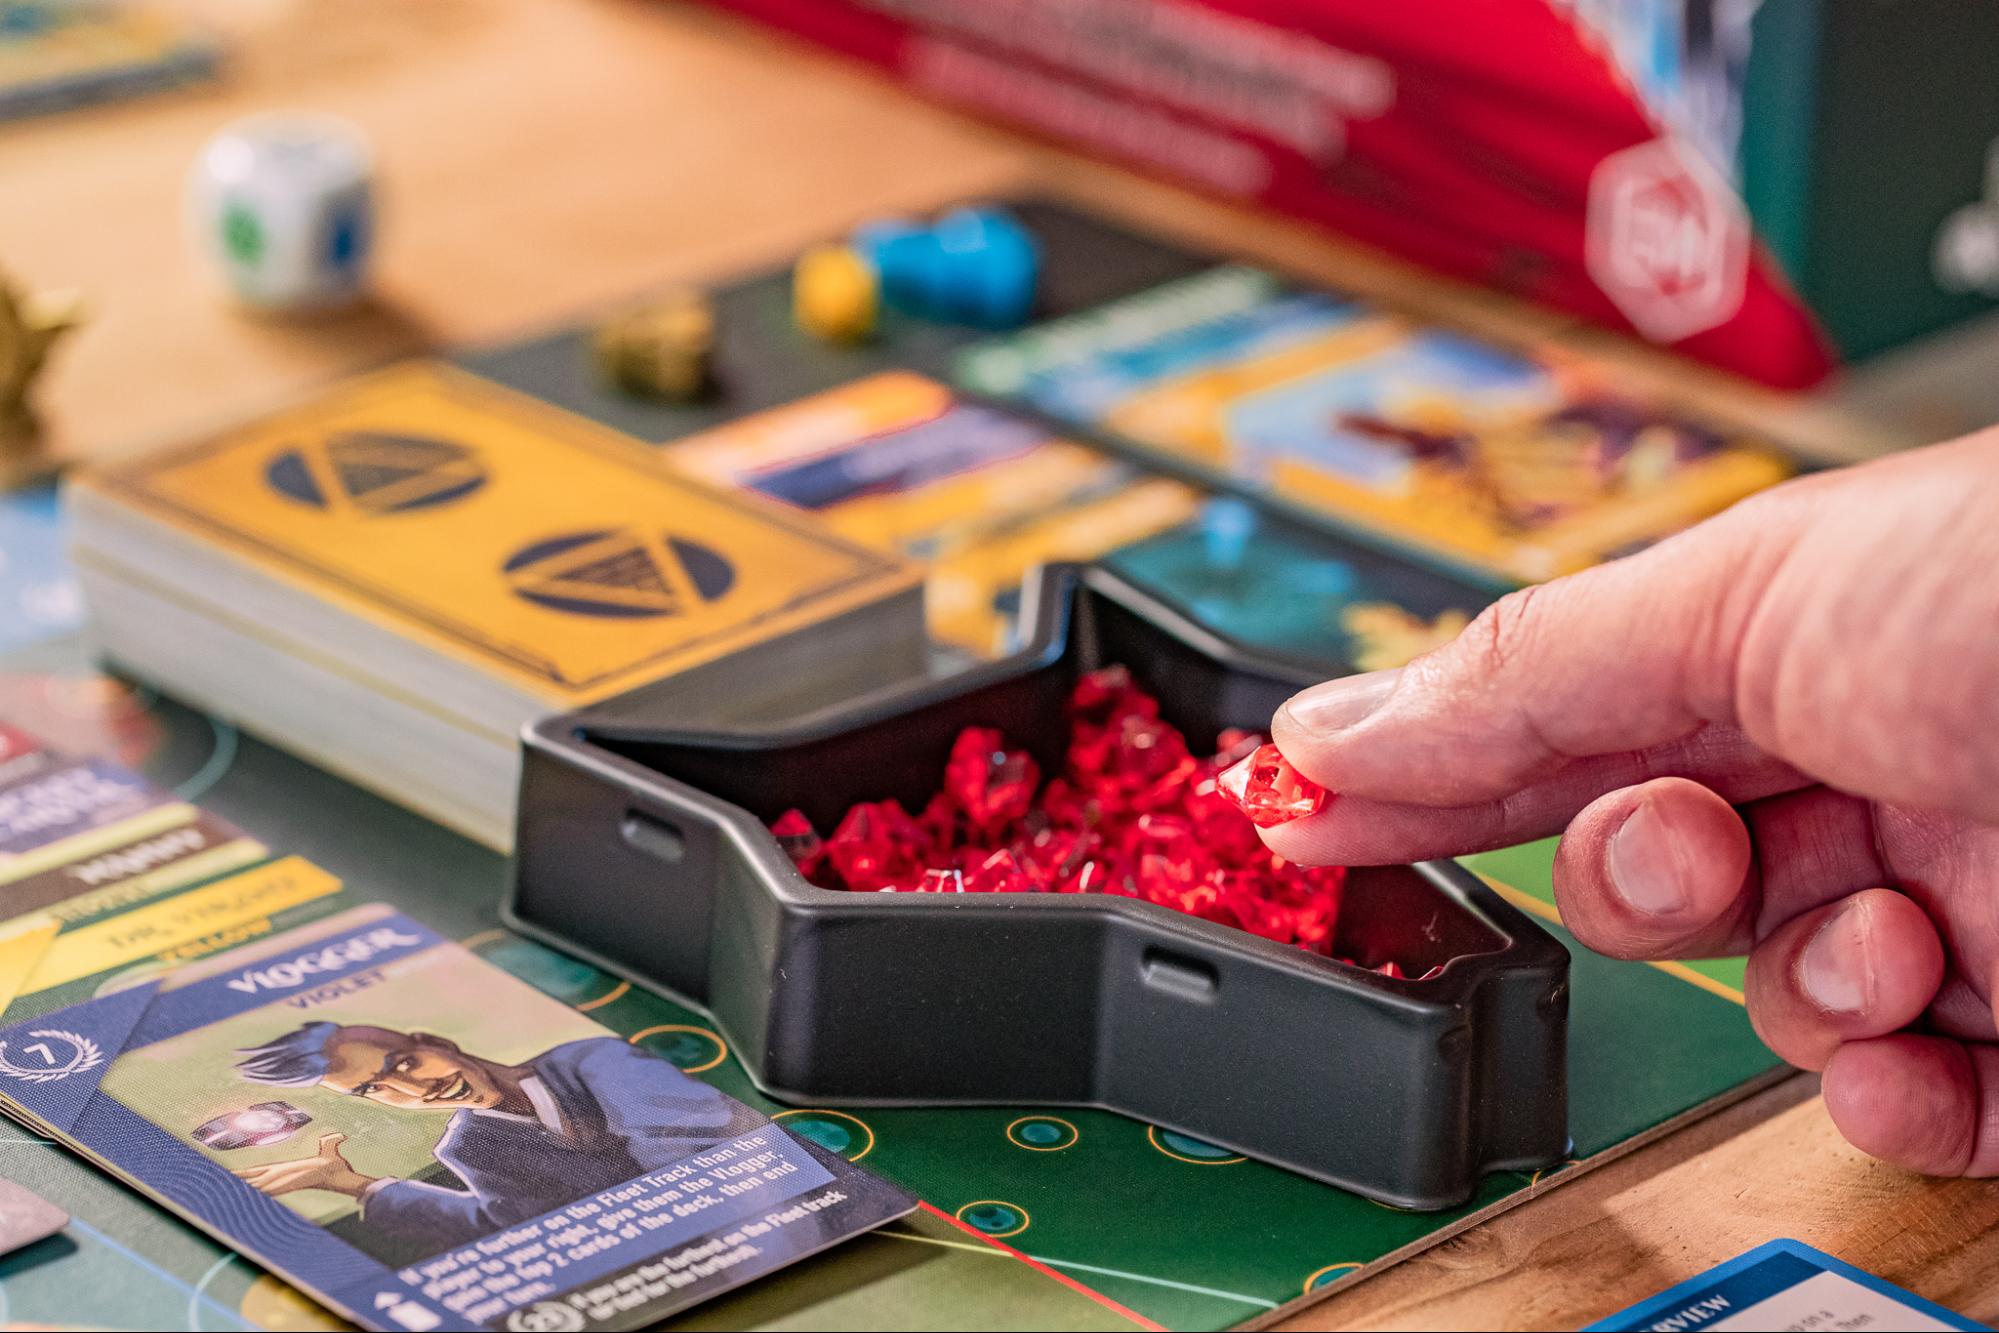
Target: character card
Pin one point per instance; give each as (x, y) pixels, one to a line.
(424, 1142)
(1483, 456)
(898, 463)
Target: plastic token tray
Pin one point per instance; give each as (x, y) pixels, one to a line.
(645, 849)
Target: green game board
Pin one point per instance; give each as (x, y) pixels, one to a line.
(1034, 1218)
(1119, 1223)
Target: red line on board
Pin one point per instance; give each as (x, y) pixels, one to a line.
(1046, 1271)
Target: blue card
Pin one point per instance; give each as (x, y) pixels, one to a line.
(424, 1142)
(1784, 1284)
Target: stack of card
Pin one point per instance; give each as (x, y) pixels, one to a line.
(417, 1138)
(107, 880)
(395, 578)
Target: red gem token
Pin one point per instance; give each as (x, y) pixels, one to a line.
(1271, 792)
(1134, 813)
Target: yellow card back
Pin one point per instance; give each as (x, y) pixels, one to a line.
(552, 552)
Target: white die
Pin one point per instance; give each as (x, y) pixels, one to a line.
(283, 203)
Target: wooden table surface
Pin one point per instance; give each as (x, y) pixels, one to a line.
(542, 157)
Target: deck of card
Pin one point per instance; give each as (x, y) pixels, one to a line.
(390, 580)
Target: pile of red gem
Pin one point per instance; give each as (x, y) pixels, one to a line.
(1134, 813)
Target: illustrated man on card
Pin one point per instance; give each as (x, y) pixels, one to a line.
(524, 1139)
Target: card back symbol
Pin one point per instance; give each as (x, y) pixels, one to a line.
(51, 1056)
(619, 573)
(375, 473)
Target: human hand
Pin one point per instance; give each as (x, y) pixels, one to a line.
(326, 1169)
(1776, 733)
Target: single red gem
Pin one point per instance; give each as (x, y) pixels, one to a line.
(1104, 695)
(990, 784)
(942, 881)
(1235, 743)
(877, 844)
(799, 840)
(1271, 792)
(998, 873)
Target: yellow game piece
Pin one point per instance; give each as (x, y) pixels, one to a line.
(835, 294)
(661, 349)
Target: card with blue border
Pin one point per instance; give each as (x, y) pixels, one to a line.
(422, 1141)
(1783, 1284)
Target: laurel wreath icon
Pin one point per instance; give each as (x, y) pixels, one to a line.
(87, 1057)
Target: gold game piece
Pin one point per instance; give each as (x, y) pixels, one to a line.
(29, 326)
(660, 349)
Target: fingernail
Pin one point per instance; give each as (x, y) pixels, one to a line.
(1836, 969)
(1645, 864)
(1339, 704)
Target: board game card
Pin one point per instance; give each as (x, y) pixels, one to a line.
(20, 755)
(544, 550)
(1460, 447)
(421, 1141)
(26, 1217)
(1783, 1284)
(1285, 589)
(125, 933)
(135, 865)
(58, 811)
(106, 879)
(896, 461)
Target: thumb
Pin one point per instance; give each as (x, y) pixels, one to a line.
(1623, 657)
(329, 1144)
(1842, 623)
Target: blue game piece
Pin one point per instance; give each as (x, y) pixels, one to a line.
(904, 255)
(994, 265)
(973, 266)
(1227, 524)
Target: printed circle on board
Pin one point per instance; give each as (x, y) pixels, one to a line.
(1329, 1274)
(375, 473)
(689, 1049)
(1187, 1148)
(835, 1131)
(617, 573)
(557, 974)
(1042, 1133)
(994, 1217)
